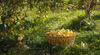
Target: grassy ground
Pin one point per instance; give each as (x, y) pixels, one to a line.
(88, 32)
(67, 20)
(55, 21)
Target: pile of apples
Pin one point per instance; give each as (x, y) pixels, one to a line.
(61, 33)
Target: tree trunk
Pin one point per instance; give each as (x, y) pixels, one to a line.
(89, 4)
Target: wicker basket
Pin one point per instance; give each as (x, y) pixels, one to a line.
(60, 40)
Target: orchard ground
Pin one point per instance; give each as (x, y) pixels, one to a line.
(88, 33)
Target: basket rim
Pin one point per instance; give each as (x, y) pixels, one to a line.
(61, 36)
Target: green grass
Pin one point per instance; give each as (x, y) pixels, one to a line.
(54, 21)
(69, 20)
(73, 20)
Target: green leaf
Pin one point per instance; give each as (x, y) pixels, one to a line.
(44, 19)
(81, 43)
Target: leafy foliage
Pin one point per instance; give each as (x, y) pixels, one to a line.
(33, 18)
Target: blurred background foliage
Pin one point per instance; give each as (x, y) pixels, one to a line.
(23, 24)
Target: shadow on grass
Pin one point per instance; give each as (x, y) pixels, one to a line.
(96, 17)
(51, 19)
(75, 24)
(80, 24)
(38, 35)
(87, 37)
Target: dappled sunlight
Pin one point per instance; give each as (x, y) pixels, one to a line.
(52, 27)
